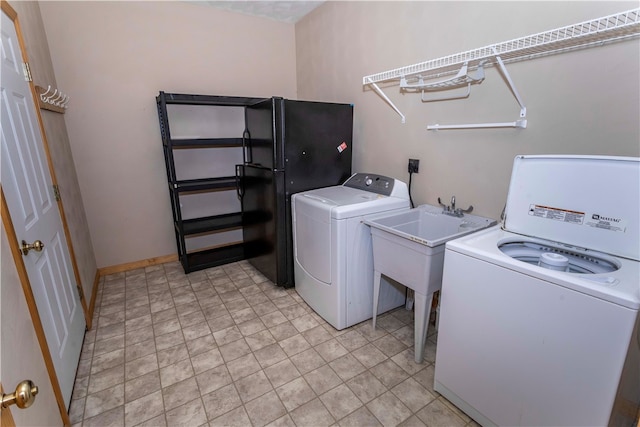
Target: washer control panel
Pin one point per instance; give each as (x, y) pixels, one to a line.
(371, 182)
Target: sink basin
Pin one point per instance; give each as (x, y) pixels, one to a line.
(409, 248)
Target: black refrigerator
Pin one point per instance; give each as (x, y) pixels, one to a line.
(290, 146)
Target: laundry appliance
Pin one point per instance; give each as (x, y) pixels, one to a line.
(539, 316)
(333, 256)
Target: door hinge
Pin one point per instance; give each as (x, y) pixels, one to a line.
(56, 192)
(27, 71)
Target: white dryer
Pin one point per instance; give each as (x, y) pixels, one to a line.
(333, 256)
(539, 317)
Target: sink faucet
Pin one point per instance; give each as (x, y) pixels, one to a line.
(452, 210)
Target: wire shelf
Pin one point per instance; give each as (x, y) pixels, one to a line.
(596, 32)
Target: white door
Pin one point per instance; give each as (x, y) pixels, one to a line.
(27, 185)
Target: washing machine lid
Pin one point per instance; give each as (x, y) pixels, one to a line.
(339, 195)
(591, 202)
(345, 202)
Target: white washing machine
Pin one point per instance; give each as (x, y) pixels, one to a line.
(333, 256)
(539, 317)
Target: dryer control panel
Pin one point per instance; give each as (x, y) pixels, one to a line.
(371, 182)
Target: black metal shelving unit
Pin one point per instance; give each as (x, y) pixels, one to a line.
(210, 257)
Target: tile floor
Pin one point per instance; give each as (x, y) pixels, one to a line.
(225, 347)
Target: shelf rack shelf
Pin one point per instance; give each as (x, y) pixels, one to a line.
(596, 32)
(228, 251)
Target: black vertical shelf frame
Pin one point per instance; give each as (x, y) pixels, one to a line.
(211, 257)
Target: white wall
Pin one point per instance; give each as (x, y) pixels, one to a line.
(585, 102)
(113, 58)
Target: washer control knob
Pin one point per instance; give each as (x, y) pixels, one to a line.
(368, 182)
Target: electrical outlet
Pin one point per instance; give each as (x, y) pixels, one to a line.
(413, 165)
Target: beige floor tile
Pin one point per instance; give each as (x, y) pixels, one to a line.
(283, 331)
(142, 409)
(294, 345)
(331, 350)
(253, 354)
(251, 327)
(140, 349)
(340, 401)
(259, 340)
(352, 340)
(201, 345)
(316, 335)
(270, 355)
(138, 322)
(107, 345)
(141, 386)
(104, 400)
(412, 421)
(253, 386)
(179, 393)
(169, 340)
(347, 367)
(106, 379)
(322, 379)
(389, 410)
(235, 418)
(295, 393)
(406, 360)
(389, 323)
(111, 418)
(284, 421)
(312, 414)
(234, 350)
(213, 379)
(76, 410)
(389, 373)
(176, 372)
(196, 331)
(366, 386)
(307, 361)
(172, 355)
(187, 415)
(227, 335)
(281, 373)
(438, 414)
(359, 418)
(207, 360)
(274, 318)
(243, 366)
(221, 401)
(412, 394)
(389, 345)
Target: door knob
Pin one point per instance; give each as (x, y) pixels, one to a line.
(36, 246)
(23, 397)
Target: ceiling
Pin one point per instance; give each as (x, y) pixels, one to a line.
(284, 11)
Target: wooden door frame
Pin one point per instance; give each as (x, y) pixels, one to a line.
(6, 417)
(6, 8)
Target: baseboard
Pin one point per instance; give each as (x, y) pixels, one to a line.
(94, 294)
(137, 264)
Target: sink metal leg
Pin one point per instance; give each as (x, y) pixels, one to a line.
(422, 311)
(376, 294)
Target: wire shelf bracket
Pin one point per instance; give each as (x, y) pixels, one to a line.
(593, 33)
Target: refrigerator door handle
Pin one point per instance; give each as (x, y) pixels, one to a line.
(247, 155)
(239, 183)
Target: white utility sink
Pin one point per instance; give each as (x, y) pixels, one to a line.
(409, 248)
